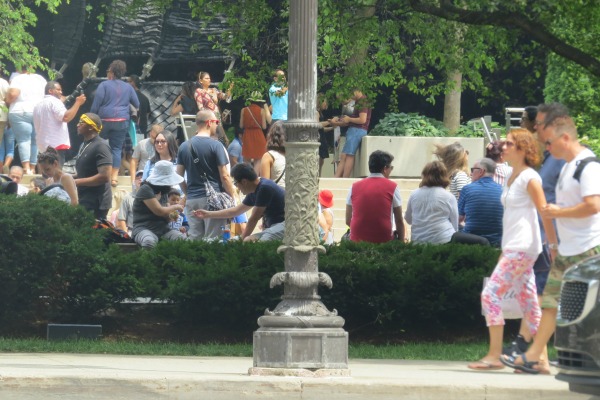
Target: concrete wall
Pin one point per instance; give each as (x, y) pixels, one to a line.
(411, 153)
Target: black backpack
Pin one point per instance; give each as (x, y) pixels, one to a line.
(581, 165)
(8, 186)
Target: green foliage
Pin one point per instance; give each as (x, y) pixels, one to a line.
(51, 253)
(385, 287)
(571, 85)
(413, 124)
(397, 286)
(54, 264)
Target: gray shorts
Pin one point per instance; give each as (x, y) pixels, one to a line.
(274, 232)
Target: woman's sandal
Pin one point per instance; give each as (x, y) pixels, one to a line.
(114, 183)
(527, 366)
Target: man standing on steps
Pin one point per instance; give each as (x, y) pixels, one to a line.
(205, 162)
(50, 118)
(577, 214)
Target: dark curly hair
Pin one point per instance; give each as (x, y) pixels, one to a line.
(493, 150)
(49, 156)
(276, 137)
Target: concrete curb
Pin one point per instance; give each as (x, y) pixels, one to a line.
(91, 377)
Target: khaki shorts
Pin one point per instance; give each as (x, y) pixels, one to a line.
(551, 295)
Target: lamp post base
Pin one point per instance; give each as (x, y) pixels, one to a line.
(289, 342)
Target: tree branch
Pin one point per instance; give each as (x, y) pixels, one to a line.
(535, 30)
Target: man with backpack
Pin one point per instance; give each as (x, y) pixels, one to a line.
(577, 214)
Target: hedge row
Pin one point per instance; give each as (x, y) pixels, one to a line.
(55, 266)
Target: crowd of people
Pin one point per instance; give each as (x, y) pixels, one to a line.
(533, 195)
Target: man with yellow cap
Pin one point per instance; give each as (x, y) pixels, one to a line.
(93, 166)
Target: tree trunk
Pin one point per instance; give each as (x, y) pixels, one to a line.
(452, 102)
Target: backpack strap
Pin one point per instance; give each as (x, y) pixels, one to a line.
(581, 165)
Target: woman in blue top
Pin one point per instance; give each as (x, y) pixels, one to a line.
(112, 104)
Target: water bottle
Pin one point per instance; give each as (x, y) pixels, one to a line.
(226, 231)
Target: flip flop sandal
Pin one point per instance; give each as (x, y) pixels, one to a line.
(527, 366)
(482, 365)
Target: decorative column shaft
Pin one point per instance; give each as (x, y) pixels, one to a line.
(301, 332)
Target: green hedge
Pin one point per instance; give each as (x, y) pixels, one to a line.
(49, 252)
(53, 264)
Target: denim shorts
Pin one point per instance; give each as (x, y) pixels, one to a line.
(354, 136)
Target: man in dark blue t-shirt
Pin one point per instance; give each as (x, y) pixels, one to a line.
(263, 196)
(206, 163)
(479, 203)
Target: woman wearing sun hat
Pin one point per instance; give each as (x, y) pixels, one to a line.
(326, 216)
(151, 214)
(253, 120)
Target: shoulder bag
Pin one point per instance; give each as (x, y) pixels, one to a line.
(216, 200)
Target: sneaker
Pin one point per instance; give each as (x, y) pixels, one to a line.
(519, 346)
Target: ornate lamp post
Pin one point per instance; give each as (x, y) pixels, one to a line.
(301, 332)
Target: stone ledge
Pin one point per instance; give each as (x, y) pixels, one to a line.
(299, 372)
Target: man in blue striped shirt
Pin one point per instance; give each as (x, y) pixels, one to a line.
(479, 203)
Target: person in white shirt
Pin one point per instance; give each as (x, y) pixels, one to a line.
(577, 215)
(26, 90)
(522, 197)
(50, 117)
(16, 174)
(3, 111)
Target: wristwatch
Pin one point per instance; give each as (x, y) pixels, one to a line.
(553, 246)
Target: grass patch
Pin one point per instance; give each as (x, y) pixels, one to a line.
(468, 351)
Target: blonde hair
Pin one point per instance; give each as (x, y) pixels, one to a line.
(454, 157)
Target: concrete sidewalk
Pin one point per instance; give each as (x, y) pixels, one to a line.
(90, 377)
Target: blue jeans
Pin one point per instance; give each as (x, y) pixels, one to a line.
(115, 132)
(7, 145)
(22, 126)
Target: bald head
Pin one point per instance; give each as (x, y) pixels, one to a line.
(204, 116)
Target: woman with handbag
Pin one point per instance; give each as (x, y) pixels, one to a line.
(521, 244)
(253, 120)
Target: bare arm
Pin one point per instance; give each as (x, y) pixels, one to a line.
(183, 185)
(255, 216)
(361, 119)
(268, 116)
(590, 206)
(122, 225)
(100, 178)
(399, 223)
(227, 213)
(226, 180)
(348, 214)
(12, 95)
(177, 107)
(242, 119)
(534, 188)
(68, 184)
(157, 209)
(71, 112)
(265, 165)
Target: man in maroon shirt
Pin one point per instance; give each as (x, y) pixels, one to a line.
(373, 201)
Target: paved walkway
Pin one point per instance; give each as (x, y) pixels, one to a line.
(90, 377)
